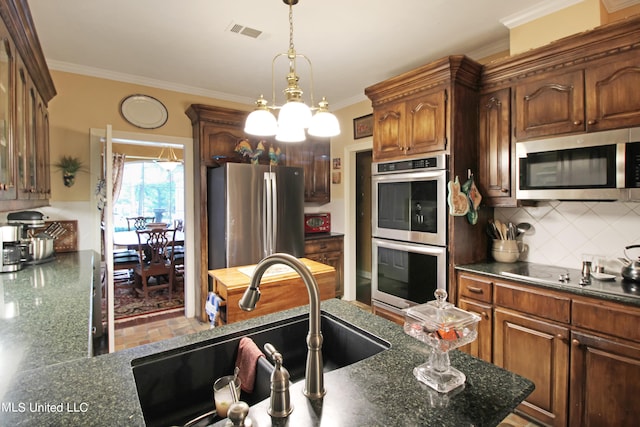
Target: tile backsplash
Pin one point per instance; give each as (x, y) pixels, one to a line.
(563, 231)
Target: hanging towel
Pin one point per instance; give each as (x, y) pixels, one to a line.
(248, 355)
(211, 307)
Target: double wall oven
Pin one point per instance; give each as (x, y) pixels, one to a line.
(409, 231)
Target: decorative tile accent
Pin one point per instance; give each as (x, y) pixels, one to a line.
(563, 231)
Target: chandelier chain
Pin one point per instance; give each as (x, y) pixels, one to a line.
(291, 28)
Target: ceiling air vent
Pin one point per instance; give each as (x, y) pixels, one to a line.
(245, 31)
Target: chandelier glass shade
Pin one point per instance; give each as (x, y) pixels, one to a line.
(295, 115)
(168, 161)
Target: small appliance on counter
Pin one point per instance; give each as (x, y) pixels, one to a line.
(317, 223)
(11, 259)
(38, 248)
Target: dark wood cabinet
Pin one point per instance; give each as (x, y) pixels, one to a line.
(328, 250)
(612, 97)
(552, 104)
(314, 157)
(26, 89)
(475, 295)
(582, 353)
(604, 381)
(495, 179)
(538, 350)
(411, 127)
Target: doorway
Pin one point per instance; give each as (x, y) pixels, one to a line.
(150, 191)
(363, 227)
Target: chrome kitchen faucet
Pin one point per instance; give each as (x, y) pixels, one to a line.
(314, 377)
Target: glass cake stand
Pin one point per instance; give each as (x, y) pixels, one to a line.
(443, 327)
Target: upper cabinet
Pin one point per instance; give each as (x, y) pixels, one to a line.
(598, 97)
(314, 157)
(583, 83)
(26, 88)
(414, 112)
(494, 168)
(612, 97)
(550, 105)
(410, 127)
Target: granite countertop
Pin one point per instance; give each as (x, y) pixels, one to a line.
(616, 290)
(377, 391)
(46, 313)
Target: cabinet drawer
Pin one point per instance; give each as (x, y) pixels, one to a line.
(323, 245)
(541, 303)
(611, 319)
(475, 287)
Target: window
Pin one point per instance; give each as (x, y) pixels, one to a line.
(151, 191)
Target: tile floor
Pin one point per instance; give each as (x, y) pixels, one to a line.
(174, 324)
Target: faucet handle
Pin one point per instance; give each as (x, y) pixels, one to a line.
(280, 402)
(237, 415)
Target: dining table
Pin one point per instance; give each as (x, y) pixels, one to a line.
(129, 239)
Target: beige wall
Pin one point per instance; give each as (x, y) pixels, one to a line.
(571, 20)
(84, 102)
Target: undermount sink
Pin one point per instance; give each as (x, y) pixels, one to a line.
(177, 386)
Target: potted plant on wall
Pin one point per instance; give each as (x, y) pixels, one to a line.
(69, 167)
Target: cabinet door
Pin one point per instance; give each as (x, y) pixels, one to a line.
(314, 157)
(551, 105)
(217, 141)
(539, 351)
(7, 140)
(613, 100)
(426, 123)
(482, 346)
(494, 172)
(389, 131)
(605, 382)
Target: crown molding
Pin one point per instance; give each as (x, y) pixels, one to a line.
(539, 10)
(144, 81)
(616, 5)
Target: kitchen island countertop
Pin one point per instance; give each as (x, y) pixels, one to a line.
(46, 313)
(381, 390)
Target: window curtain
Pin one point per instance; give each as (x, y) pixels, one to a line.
(118, 171)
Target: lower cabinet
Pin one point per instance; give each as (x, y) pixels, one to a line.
(328, 250)
(605, 381)
(482, 346)
(582, 353)
(537, 350)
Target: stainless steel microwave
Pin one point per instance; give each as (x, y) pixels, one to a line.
(594, 166)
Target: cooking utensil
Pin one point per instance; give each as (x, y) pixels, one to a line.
(41, 248)
(630, 269)
(523, 227)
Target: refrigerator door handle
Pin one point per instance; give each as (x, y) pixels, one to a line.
(270, 207)
(274, 212)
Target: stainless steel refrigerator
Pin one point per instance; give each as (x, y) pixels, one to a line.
(254, 211)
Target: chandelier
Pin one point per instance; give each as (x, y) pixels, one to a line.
(168, 161)
(294, 116)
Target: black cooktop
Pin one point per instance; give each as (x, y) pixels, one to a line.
(568, 277)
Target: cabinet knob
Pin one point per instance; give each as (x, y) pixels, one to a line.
(575, 342)
(560, 337)
(592, 122)
(484, 315)
(577, 122)
(504, 190)
(407, 148)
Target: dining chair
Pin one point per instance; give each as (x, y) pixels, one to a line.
(139, 222)
(156, 268)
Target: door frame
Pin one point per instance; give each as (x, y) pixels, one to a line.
(97, 137)
(350, 270)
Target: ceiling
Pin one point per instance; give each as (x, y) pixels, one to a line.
(187, 46)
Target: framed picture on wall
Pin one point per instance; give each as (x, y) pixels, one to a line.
(363, 126)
